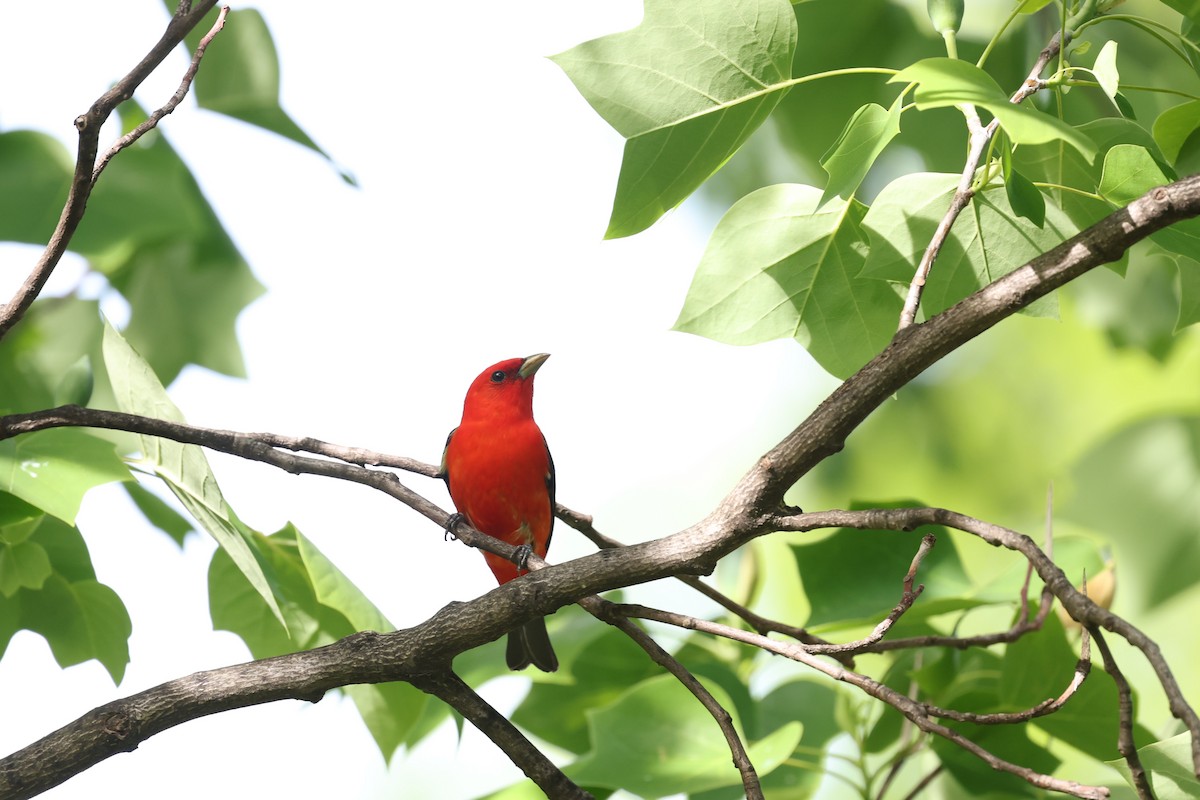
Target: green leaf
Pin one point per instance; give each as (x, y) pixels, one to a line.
(1189, 293)
(183, 467)
(777, 267)
(855, 576)
(865, 136)
(1141, 489)
(602, 670)
(22, 565)
(320, 605)
(185, 280)
(158, 513)
(950, 82)
(80, 620)
(686, 88)
(1175, 126)
(35, 171)
(1129, 172)
(1169, 763)
(657, 740)
(1105, 70)
(54, 469)
(1024, 198)
(987, 241)
(239, 76)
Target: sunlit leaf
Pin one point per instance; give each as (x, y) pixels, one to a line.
(1105, 70)
(951, 82)
(685, 88)
(777, 267)
(987, 241)
(35, 171)
(1129, 172)
(183, 467)
(865, 136)
(158, 513)
(1169, 763)
(54, 469)
(81, 620)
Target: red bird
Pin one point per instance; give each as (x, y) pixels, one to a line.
(501, 478)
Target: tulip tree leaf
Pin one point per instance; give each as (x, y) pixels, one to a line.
(183, 467)
(866, 134)
(987, 241)
(950, 82)
(53, 469)
(686, 88)
(656, 740)
(777, 267)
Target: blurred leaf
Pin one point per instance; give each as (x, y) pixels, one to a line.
(685, 88)
(1141, 489)
(35, 171)
(776, 267)
(320, 605)
(811, 703)
(1169, 763)
(183, 467)
(1175, 126)
(23, 565)
(158, 513)
(987, 242)
(80, 620)
(657, 740)
(856, 576)
(951, 82)
(865, 136)
(37, 356)
(602, 671)
(53, 469)
(1009, 742)
(76, 385)
(184, 278)
(1189, 293)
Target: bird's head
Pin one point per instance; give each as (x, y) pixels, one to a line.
(504, 388)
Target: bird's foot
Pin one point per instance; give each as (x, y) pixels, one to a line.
(521, 556)
(452, 522)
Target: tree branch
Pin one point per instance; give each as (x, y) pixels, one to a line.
(450, 689)
(84, 179)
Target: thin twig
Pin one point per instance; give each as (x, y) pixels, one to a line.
(911, 709)
(450, 689)
(151, 121)
(611, 613)
(584, 524)
(980, 137)
(1126, 746)
(88, 125)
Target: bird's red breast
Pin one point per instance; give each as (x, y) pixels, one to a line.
(497, 465)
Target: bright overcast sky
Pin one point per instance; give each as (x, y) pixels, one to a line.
(475, 235)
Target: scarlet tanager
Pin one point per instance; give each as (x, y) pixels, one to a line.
(501, 479)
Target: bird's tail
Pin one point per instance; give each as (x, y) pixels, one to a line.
(530, 644)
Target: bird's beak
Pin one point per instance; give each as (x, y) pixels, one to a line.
(531, 364)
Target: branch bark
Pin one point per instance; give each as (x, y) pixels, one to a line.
(751, 509)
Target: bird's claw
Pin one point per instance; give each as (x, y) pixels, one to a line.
(452, 522)
(521, 556)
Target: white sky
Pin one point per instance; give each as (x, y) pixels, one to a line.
(486, 183)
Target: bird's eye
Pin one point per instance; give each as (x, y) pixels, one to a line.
(498, 376)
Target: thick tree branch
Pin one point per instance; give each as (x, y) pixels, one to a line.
(749, 510)
(84, 179)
